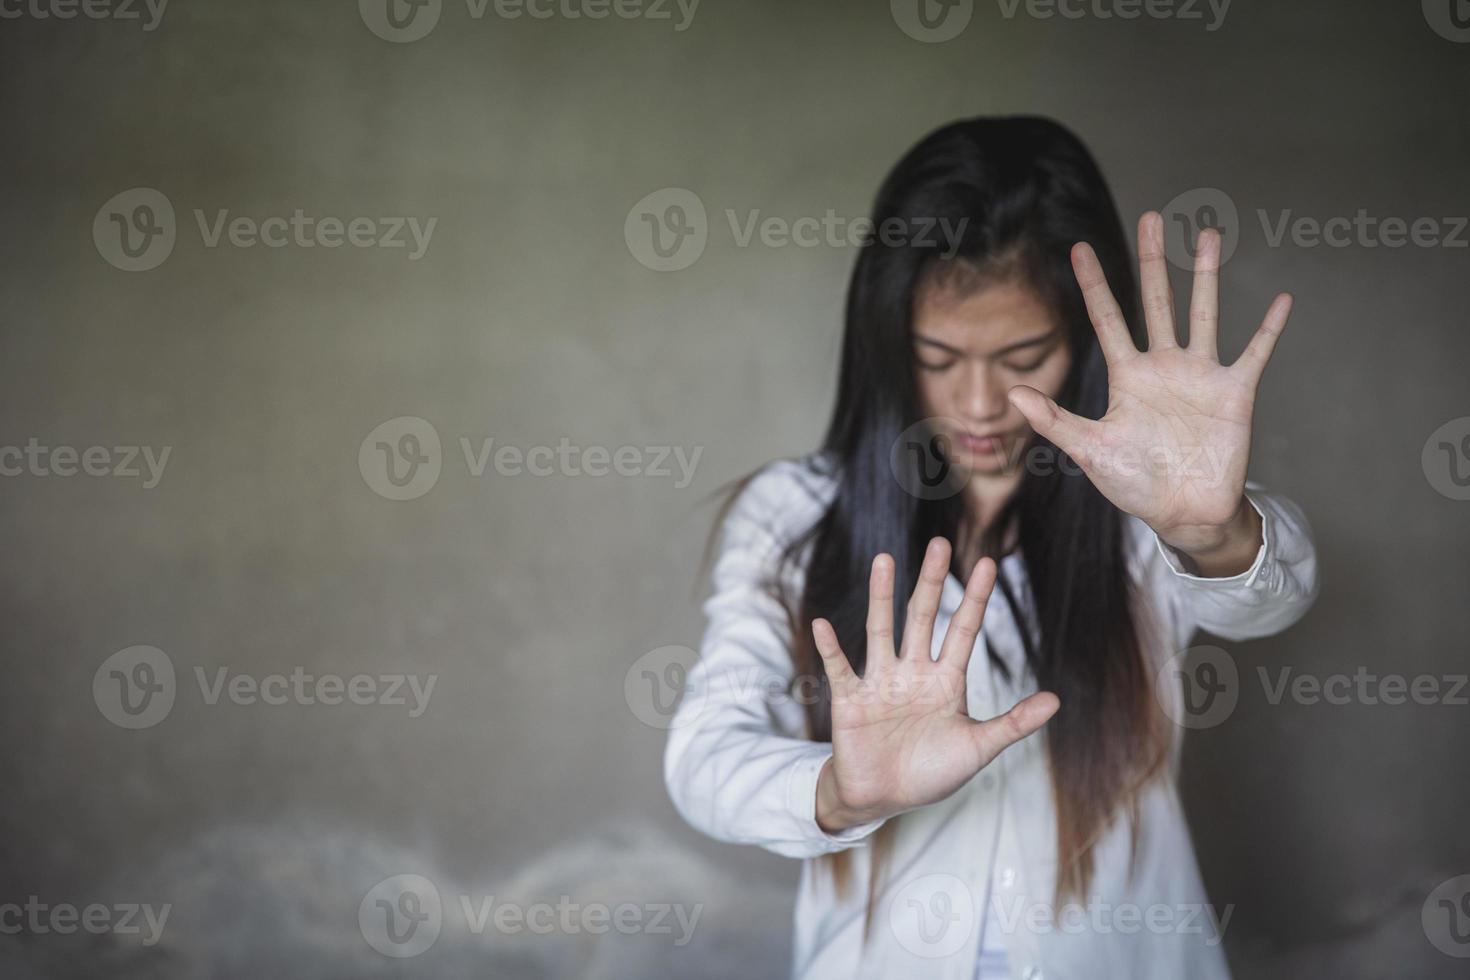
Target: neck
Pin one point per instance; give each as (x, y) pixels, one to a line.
(985, 495)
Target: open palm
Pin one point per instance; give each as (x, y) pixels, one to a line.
(901, 737)
(1174, 444)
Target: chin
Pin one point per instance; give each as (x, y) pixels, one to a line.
(982, 464)
(987, 467)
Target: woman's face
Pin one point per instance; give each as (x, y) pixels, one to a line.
(970, 349)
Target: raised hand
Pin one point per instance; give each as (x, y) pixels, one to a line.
(1173, 446)
(901, 738)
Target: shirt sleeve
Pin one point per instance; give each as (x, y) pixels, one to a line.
(1266, 598)
(738, 765)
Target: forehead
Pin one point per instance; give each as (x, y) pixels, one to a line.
(982, 319)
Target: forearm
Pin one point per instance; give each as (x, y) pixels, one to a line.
(1260, 600)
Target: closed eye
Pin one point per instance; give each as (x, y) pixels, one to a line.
(934, 356)
(932, 363)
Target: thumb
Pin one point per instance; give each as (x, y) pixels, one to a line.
(1067, 431)
(998, 734)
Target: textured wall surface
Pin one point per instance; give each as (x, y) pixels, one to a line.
(143, 316)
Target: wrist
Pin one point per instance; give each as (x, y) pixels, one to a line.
(832, 814)
(1219, 550)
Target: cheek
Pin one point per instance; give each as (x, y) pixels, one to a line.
(1053, 374)
(931, 389)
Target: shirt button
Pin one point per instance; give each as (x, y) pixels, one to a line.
(1007, 877)
(987, 780)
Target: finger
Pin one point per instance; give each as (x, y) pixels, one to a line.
(839, 672)
(918, 629)
(1257, 353)
(880, 610)
(959, 639)
(1102, 308)
(1072, 434)
(1204, 300)
(1153, 276)
(994, 736)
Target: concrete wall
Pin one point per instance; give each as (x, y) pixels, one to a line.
(266, 546)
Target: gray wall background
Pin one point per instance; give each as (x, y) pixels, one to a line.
(529, 320)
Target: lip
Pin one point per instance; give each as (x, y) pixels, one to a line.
(980, 444)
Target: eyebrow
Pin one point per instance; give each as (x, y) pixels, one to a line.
(1009, 349)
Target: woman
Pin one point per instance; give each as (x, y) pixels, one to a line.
(996, 421)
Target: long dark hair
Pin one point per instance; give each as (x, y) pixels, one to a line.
(1023, 190)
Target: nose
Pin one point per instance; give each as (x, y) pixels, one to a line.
(984, 395)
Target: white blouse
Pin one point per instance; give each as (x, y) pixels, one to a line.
(740, 768)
